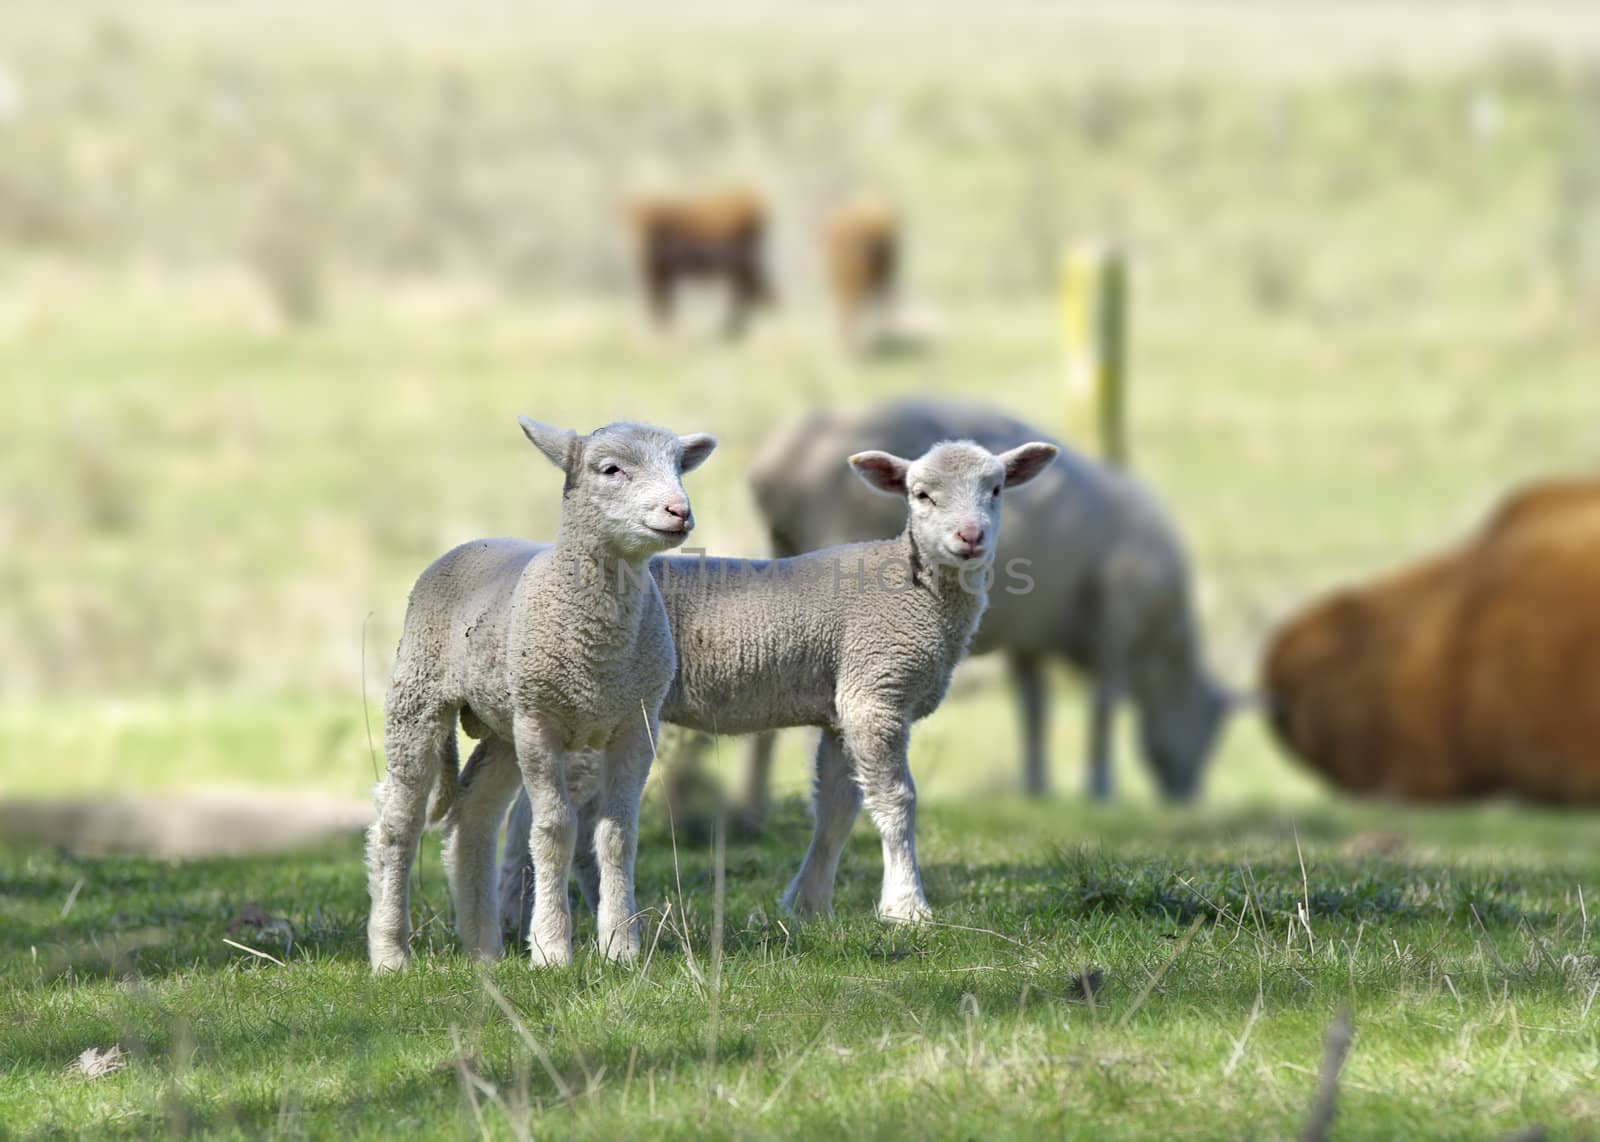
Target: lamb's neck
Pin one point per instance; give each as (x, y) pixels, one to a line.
(599, 578)
(960, 594)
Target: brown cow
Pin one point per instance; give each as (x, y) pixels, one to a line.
(1472, 673)
(862, 244)
(716, 235)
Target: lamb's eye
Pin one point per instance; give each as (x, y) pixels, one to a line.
(997, 493)
(924, 497)
(610, 470)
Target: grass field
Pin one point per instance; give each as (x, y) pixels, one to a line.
(273, 287)
(1469, 972)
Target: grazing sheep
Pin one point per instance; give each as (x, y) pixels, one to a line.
(560, 664)
(861, 241)
(858, 640)
(1109, 583)
(1471, 673)
(716, 235)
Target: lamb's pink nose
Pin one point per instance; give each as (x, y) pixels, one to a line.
(970, 533)
(677, 507)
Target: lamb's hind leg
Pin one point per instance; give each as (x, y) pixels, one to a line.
(470, 832)
(584, 865)
(516, 868)
(516, 873)
(417, 746)
(835, 801)
(757, 800)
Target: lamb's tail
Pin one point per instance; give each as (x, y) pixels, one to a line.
(450, 776)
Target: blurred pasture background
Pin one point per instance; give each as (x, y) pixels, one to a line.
(275, 279)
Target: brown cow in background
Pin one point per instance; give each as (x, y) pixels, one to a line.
(1472, 673)
(861, 241)
(715, 235)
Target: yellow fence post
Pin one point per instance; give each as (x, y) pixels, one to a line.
(1093, 314)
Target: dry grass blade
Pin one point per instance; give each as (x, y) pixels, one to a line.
(1244, 1037)
(677, 872)
(1335, 1049)
(257, 952)
(649, 958)
(719, 893)
(980, 931)
(1305, 888)
(97, 1062)
(1150, 986)
(72, 897)
(525, 1035)
(794, 1069)
(468, 1087)
(1488, 944)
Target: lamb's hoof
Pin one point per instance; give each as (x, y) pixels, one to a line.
(806, 906)
(622, 947)
(541, 956)
(388, 960)
(905, 912)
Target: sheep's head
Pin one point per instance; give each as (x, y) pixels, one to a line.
(624, 488)
(954, 494)
(1178, 729)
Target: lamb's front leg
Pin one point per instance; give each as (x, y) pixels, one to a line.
(877, 742)
(616, 841)
(555, 829)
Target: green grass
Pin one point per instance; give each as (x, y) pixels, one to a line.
(1208, 1020)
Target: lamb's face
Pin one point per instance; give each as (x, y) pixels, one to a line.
(954, 494)
(624, 484)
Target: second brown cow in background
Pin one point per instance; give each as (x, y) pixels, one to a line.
(861, 245)
(1472, 673)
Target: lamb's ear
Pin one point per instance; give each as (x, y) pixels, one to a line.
(1026, 461)
(555, 443)
(696, 447)
(882, 470)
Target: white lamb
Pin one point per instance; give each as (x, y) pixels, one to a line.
(560, 664)
(859, 640)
